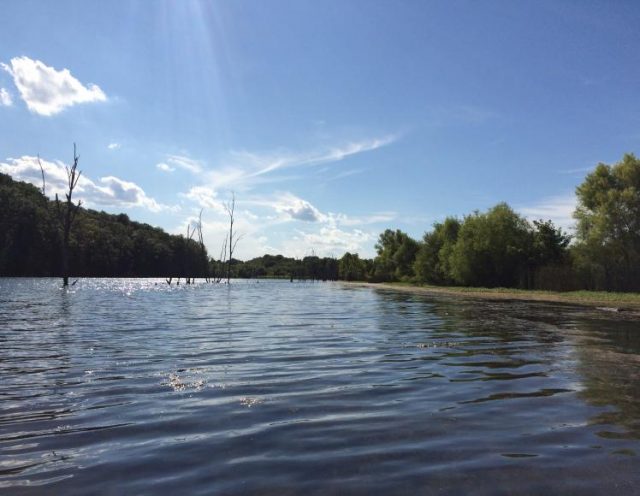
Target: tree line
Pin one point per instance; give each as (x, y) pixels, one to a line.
(99, 245)
(494, 248)
(312, 268)
(499, 248)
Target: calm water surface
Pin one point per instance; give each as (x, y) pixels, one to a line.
(132, 387)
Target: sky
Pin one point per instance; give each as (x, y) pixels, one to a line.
(329, 120)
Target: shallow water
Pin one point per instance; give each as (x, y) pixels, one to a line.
(133, 387)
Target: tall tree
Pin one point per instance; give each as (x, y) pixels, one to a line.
(396, 254)
(608, 224)
(233, 238)
(67, 212)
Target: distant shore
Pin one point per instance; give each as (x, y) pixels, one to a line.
(615, 302)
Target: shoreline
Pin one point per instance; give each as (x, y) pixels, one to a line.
(613, 302)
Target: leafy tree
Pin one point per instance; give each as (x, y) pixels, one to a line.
(396, 255)
(549, 244)
(608, 225)
(492, 249)
(432, 260)
(352, 268)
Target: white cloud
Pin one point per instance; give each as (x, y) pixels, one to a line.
(283, 223)
(288, 207)
(47, 91)
(164, 167)
(113, 146)
(117, 192)
(269, 221)
(329, 241)
(5, 98)
(186, 163)
(205, 197)
(264, 234)
(297, 208)
(559, 209)
(109, 191)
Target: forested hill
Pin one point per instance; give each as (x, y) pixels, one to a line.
(101, 244)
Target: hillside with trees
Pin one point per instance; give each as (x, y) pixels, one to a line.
(100, 245)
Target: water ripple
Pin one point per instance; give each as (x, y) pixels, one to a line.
(133, 386)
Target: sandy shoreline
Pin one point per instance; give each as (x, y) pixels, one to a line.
(611, 303)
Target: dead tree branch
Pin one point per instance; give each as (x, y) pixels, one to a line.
(67, 212)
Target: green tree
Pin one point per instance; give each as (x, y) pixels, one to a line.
(608, 225)
(492, 249)
(351, 268)
(549, 244)
(432, 263)
(396, 255)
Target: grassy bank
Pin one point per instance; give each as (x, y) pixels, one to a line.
(611, 301)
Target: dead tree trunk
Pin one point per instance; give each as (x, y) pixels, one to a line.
(233, 237)
(223, 255)
(203, 249)
(67, 213)
(190, 231)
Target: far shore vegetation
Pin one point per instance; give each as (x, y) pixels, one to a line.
(483, 250)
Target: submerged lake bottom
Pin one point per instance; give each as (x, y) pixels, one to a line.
(131, 386)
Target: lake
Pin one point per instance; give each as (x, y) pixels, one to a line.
(130, 386)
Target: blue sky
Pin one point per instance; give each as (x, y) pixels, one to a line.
(330, 120)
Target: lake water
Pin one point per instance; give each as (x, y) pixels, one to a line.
(275, 388)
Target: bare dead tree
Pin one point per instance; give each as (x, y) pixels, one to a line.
(222, 258)
(233, 238)
(203, 249)
(190, 232)
(67, 211)
(44, 183)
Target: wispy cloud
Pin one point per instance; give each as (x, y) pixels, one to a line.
(559, 209)
(114, 146)
(456, 115)
(245, 169)
(108, 191)
(182, 162)
(5, 98)
(346, 173)
(364, 220)
(48, 91)
(580, 170)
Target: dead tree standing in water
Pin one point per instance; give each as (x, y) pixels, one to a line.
(67, 212)
(233, 238)
(218, 275)
(203, 249)
(190, 232)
